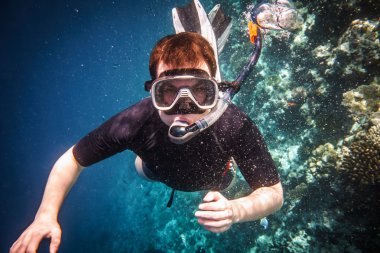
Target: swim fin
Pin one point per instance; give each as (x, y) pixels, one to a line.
(221, 24)
(215, 27)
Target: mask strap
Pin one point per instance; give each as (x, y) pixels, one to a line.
(185, 71)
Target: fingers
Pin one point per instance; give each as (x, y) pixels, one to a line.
(211, 215)
(215, 220)
(217, 230)
(55, 240)
(214, 201)
(214, 223)
(216, 226)
(215, 213)
(34, 242)
(27, 243)
(214, 206)
(212, 196)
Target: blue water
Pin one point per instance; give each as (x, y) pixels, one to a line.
(66, 66)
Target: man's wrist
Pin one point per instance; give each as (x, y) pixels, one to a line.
(46, 215)
(236, 211)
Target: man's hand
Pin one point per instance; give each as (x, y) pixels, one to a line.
(33, 235)
(215, 213)
(63, 175)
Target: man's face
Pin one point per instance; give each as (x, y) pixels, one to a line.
(189, 118)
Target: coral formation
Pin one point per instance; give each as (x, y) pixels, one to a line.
(361, 162)
(296, 99)
(323, 161)
(364, 102)
(357, 154)
(356, 54)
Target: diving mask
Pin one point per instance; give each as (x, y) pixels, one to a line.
(192, 92)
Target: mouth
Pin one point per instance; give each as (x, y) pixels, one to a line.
(183, 119)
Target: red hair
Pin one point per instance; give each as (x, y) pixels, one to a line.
(182, 49)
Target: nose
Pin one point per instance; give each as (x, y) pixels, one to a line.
(185, 104)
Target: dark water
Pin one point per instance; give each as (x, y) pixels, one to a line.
(66, 66)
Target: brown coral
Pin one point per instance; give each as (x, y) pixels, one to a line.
(356, 54)
(363, 101)
(323, 161)
(359, 46)
(361, 163)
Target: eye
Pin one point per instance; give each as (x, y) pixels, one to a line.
(169, 89)
(199, 88)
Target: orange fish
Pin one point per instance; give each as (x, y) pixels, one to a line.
(292, 104)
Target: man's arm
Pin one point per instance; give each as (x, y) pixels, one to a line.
(260, 203)
(217, 213)
(45, 225)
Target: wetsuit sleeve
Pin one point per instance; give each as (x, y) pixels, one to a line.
(253, 157)
(113, 136)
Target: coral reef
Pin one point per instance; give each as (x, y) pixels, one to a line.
(350, 169)
(364, 102)
(357, 155)
(315, 97)
(361, 161)
(356, 54)
(323, 161)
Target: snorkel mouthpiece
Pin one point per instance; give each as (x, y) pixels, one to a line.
(180, 132)
(178, 129)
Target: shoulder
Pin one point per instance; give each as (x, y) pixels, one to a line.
(129, 119)
(237, 128)
(137, 113)
(143, 108)
(235, 119)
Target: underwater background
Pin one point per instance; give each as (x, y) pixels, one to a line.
(66, 66)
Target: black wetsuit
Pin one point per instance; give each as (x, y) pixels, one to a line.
(195, 165)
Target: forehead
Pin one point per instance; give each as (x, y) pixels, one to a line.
(162, 67)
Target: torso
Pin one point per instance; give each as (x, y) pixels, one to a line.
(195, 165)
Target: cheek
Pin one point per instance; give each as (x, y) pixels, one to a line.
(167, 119)
(201, 98)
(169, 98)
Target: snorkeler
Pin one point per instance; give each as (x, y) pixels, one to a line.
(187, 135)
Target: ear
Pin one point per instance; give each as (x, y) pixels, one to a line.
(148, 85)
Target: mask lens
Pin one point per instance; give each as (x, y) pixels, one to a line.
(168, 91)
(204, 92)
(165, 93)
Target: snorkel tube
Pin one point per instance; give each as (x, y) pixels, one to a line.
(180, 132)
(267, 14)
